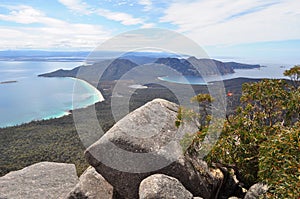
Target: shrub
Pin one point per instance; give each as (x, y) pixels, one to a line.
(262, 137)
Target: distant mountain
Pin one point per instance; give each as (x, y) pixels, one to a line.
(151, 54)
(193, 66)
(236, 65)
(140, 60)
(207, 67)
(39, 55)
(115, 69)
(147, 57)
(180, 65)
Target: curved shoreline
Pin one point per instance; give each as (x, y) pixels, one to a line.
(96, 97)
(99, 94)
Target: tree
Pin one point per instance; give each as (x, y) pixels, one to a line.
(294, 74)
(279, 162)
(261, 109)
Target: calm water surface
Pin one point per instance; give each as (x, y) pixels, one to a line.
(37, 98)
(270, 72)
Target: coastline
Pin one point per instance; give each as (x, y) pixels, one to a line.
(92, 100)
(99, 95)
(65, 113)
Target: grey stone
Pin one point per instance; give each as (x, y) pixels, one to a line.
(91, 186)
(42, 180)
(256, 190)
(160, 186)
(147, 142)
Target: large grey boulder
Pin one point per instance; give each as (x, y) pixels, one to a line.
(160, 186)
(91, 186)
(146, 142)
(42, 180)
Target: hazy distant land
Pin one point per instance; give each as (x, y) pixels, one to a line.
(8, 82)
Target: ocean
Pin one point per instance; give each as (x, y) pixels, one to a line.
(27, 97)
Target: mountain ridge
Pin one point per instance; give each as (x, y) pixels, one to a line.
(115, 69)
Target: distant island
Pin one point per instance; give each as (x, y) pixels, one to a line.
(46, 56)
(8, 82)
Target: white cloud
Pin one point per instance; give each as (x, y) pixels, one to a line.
(242, 21)
(27, 15)
(121, 17)
(53, 33)
(146, 3)
(51, 37)
(77, 6)
(22, 14)
(83, 8)
(148, 25)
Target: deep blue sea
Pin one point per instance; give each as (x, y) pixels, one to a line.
(36, 98)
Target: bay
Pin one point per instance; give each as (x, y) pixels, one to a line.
(268, 72)
(30, 98)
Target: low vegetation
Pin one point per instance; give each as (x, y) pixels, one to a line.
(261, 138)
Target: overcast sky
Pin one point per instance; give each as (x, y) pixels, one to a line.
(267, 30)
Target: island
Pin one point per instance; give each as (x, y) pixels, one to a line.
(8, 82)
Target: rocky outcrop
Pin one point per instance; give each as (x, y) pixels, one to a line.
(139, 157)
(91, 186)
(164, 187)
(256, 191)
(143, 143)
(42, 180)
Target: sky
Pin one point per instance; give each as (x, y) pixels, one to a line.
(265, 31)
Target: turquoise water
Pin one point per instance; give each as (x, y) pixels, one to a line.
(36, 98)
